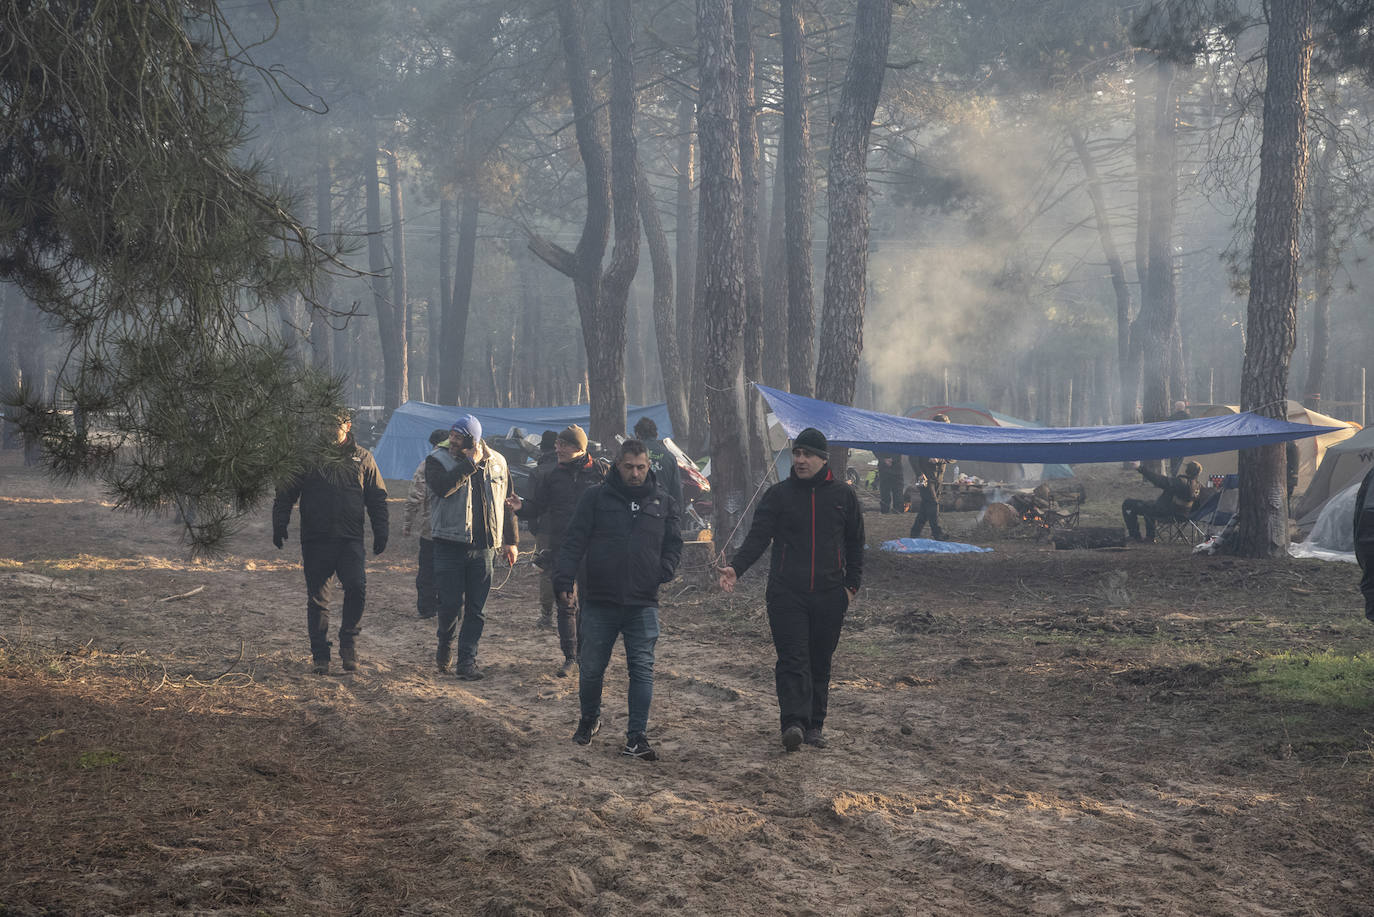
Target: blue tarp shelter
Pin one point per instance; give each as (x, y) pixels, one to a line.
(406, 440)
(857, 429)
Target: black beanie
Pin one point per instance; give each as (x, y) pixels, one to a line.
(812, 440)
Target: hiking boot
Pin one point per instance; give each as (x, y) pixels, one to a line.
(545, 620)
(442, 657)
(348, 658)
(425, 613)
(567, 668)
(320, 667)
(468, 671)
(814, 738)
(792, 737)
(585, 730)
(636, 746)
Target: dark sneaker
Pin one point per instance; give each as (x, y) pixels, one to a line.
(792, 737)
(814, 738)
(567, 668)
(426, 613)
(468, 671)
(639, 747)
(545, 620)
(320, 667)
(442, 657)
(349, 660)
(585, 730)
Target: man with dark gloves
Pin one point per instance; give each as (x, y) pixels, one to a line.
(929, 472)
(417, 511)
(553, 498)
(816, 528)
(890, 482)
(543, 557)
(1178, 497)
(627, 536)
(333, 494)
(469, 521)
(1364, 541)
(662, 461)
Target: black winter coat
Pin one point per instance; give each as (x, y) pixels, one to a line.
(333, 495)
(554, 495)
(630, 545)
(817, 531)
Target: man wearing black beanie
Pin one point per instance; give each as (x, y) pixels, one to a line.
(816, 528)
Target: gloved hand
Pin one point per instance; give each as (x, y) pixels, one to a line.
(378, 544)
(278, 536)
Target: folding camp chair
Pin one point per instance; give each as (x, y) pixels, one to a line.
(1180, 530)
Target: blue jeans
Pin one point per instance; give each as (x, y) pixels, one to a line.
(463, 575)
(601, 623)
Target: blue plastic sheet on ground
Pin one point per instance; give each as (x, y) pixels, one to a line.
(931, 546)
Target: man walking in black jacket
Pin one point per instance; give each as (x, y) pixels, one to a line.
(816, 528)
(628, 533)
(333, 494)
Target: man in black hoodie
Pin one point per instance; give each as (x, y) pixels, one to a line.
(628, 534)
(816, 527)
(333, 494)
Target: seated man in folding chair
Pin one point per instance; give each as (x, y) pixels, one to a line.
(1178, 497)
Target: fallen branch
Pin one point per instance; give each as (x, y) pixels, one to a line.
(184, 595)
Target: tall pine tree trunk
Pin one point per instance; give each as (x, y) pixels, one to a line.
(400, 297)
(1271, 313)
(1324, 263)
(321, 318)
(775, 371)
(751, 229)
(846, 252)
(800, 181)
(686, 239)
(455, 319)
(665, 324)
(722, 256)
(376, 263)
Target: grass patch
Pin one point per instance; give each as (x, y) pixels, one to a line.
(1327, 678)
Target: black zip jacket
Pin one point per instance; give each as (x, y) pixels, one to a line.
(333, 495)
(817, 531)
(631, 544)
(554, 495)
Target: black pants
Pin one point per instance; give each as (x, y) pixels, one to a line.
(889, 495)
(569, 615)
(1149, 510)
(928, 512)
(806, 629)
(323, 559)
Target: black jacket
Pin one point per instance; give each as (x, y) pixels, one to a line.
(333, 495)
(554, 495)
(630, 545)
(1180, 493)
(1364, 522)
(817, 531)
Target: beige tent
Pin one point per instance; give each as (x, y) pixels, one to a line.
(1344, 464)
(1310, 448)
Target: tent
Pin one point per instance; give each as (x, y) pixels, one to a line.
(981, 416)
(854, 428)
(1333, 535)
(1310, 450)
(1344, 463)
(406, 440)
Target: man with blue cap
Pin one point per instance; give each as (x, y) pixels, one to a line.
(469, 521)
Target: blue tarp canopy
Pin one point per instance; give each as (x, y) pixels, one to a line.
(406, 440)
(856, 429)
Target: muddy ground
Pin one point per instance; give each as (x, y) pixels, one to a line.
(1029, 731)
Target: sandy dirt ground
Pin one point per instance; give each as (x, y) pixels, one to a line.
(1029, 731)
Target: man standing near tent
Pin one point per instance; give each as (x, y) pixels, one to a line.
(816, 528)
(333, 494)
(553, 498)
(890, 482)
(624, 541)
(417, 510)
(1177, 499)
(929, 472)
(469, 521)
